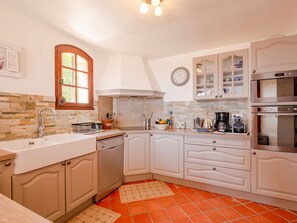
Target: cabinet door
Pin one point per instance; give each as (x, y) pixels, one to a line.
(42, 191)
(205, 70)
(275, 54)
(233, 74)
(81, 180)
(136, 154)
(218, 176)
(274, 174)
(6, 171)
(218, 156)
(167, 155)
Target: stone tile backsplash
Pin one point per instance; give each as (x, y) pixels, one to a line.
(19, 116)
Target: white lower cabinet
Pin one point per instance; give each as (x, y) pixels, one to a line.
(136, 154)
(219, 176)
(218, 161)
(55, 190)
(167, 155)
(274, 174)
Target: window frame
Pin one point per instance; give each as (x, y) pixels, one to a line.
(66, 48)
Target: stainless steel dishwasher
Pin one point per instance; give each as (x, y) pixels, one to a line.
(110, 154)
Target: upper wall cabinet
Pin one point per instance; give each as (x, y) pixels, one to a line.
(221, 76)
(276, 54)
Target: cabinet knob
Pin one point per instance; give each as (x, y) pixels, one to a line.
(151, 134)
(68, 162)
(216, 96)
(8, 163)
(214, 168)
(214, 141)
(214, 148)
(63, 163)
(126, 136)
(254, 71)
(220, 96)
(254, 153)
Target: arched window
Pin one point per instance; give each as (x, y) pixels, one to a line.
(74, 78)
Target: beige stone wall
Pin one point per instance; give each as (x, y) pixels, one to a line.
(19, 116)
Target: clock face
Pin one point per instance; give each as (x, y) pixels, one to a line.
(180, 76)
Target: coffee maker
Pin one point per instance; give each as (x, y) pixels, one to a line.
(222, 122)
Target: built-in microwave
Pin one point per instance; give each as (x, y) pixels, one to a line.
(274, 128)
(279, 87)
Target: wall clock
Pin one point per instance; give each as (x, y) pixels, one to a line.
(180, 76)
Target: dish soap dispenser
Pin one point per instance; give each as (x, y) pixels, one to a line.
(171, 120)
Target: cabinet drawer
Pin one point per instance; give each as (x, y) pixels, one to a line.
(218, 176)
(218, 141)
(218, 156)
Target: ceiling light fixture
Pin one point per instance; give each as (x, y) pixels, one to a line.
(144, 7)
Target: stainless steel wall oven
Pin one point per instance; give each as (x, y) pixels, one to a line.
(275, 128)
(274, 87)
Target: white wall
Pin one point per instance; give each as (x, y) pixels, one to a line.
(162, 69)
(37, 41)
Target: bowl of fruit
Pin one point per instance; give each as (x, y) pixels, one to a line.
(161, 124)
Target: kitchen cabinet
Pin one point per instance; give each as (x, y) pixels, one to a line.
(274, 55)
(274, 174)
(166, 156)
(221, 76)
(218, 161)
(55, 190)
(136, 153)
(6, 171)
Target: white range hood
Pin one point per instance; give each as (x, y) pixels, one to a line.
(128, 76)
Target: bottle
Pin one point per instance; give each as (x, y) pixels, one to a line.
(171, 120)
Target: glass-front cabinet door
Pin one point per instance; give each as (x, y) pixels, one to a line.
(205, 71)
(233, 74)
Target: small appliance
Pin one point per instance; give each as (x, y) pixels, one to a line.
(222, 122)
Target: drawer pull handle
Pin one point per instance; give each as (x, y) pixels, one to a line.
(214, 168)
(68, 162)
(63, 163)
(214, 148)
(151, 134)
(126, 135)
(254, 153)
(8, 163)
(214, 141)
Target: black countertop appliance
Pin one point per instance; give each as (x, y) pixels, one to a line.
(222, 122)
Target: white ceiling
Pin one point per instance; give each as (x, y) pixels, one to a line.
(185, 26)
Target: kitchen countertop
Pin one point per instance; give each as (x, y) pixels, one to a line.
(5, 155)
(192, 132)
(12, 212)
(107, 133)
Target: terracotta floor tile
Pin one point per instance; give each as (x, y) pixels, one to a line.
(174, 213)
(141, 218)
(136, 209)
(159, 216)
(217, 203)
(194, 197)
(241, 221)
(230, 200)
(206, 195)
(182, 220)
(230, 213)
(108, 197)
(181, 199)
(189, 209)
(124, 219)
(123, 210)
(257, 219)
(167, 202)
(153, 206)
(285, 214)
(200, 218)
(243, 201)
(256, 207)
(270, 216)
(244, 210)
(218, 195)
(268, 207)
(104, 204)
(204, 205)
(216, 216)
(186, 190)
(116, 202)
(115, 194)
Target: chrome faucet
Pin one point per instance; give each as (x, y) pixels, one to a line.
(40, 121)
